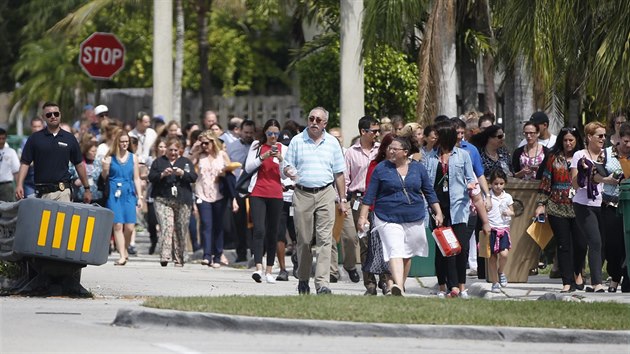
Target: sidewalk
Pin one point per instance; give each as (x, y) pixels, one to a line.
(144, 277)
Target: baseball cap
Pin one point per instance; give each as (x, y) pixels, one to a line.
(159, 117)
(285, 137)
(539, 118)
(101, 109)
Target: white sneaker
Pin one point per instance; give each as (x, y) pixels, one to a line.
(464, 295)
(441, 295)
(496, 288)
(270, 279)
(503, 280)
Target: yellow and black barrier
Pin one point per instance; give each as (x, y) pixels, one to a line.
(70, 232)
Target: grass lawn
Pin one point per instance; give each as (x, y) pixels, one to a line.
(550, 314)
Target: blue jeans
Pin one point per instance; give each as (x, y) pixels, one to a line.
(211, 228)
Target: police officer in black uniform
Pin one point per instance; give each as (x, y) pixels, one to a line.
(50, 150)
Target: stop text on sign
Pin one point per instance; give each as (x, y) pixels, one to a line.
(100, 55)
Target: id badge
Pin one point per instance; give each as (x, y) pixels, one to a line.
(174, 191)
(356, 204)
(291, 210)
(571, 193)
(445, 186)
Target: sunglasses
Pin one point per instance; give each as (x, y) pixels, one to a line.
(373, 131)
(276, 134)
(50, 114)
(600, 136)
(315, 119)
(570, 130)
(205, 143)
(500, 136)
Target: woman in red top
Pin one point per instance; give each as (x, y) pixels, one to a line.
(264, 159)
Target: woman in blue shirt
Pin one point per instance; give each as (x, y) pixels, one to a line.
(454, 181)
(396, 189)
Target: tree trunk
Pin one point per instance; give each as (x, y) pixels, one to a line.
(203, 13)
(468, 69)
(447, 98)
(179, 61)
(484, 20)
(519, 101)
(490, 99)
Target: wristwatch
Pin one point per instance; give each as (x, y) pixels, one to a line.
(343, 200)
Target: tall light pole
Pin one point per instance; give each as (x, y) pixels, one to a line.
(163, 58)
(352, 85)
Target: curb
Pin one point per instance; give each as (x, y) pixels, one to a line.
(212, 321)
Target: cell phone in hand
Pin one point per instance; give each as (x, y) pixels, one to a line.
(274, 149)
(540, 218)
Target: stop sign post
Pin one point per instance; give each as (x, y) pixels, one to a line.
(102, 55)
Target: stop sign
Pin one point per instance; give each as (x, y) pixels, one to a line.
(102, 55)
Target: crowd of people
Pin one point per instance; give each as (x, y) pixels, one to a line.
(282, 189)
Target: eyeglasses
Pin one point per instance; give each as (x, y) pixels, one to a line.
(500, 136)
(395, 149)
(315, 119)
(50, 114)
(373, 131)
(276, 134)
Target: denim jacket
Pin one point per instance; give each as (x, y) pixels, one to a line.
(460, 173)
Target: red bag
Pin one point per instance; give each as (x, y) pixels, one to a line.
(447, 241)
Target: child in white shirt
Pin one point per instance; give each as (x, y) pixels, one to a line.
(500, 217)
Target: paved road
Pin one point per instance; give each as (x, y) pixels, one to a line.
(62, 325)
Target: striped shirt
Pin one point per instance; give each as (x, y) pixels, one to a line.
(318, 163)
(357, 162)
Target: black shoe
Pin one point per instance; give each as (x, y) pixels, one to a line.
(371, 290)
(240, 259)
(152, 248)
(354, 276)
(579, 286)
(382, 284)
(323, 291)
(132, 250)
(303, 288)
(283, 275)
(163, 263)
(333, 279)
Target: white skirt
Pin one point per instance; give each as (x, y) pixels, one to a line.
(403, 240)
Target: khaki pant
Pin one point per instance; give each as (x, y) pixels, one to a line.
(60, 196)
(349, 244)
(314, 217)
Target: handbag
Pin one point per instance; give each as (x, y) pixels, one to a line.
(243, 181)
(374, 260)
